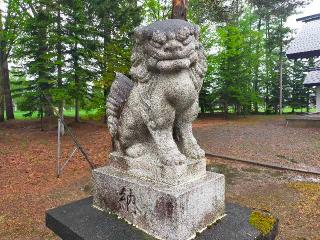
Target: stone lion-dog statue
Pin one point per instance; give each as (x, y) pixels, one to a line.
(151, 115)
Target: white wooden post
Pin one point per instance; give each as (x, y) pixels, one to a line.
(59, 147)
(318, 98)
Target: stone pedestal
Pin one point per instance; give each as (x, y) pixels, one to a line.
(171, 212)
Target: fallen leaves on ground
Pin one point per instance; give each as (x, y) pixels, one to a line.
(29, 185)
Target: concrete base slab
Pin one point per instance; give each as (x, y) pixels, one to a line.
(80, 221)
(166, 212)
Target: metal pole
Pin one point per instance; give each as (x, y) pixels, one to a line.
(58, 148)
(92, 166)
(318, 99)
(281, 85)
(69, 159)
(79, 146)
(281, 69)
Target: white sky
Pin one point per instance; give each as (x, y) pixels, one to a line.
(312, 8)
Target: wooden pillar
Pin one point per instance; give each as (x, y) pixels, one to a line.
(179, 9)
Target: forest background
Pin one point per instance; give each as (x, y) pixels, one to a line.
(65, 53)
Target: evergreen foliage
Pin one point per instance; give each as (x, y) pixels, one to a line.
(67, 52)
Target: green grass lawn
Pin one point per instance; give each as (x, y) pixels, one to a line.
(289, 110)
(91, 114)
(19, 115)
(94, 113)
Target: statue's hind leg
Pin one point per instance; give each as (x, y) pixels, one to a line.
(183, 133)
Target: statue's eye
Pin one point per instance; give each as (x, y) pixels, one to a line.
(188, 40)
(183, 34)
(155, 44)
(159, 37)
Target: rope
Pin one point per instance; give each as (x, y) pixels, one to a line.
(267, 165)
(92, 165)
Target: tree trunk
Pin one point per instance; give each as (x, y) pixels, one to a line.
(226, 108)
(43, 71)
(281, 69)
(105, 95)
(77, 84)
(41, 119)
(7, 90)
(77, 110)
(59, 68)
(238, 109)
(104, 65)
(1, 101)
(1, 82)
(179, 9)
(268, 53)
(202, 108)
(48, 108)
(256, 73)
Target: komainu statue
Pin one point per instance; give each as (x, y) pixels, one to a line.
(156, 178)
(150, 117)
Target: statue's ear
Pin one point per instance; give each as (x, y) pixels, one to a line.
(139, 72)
(138, 34)
(202, 59)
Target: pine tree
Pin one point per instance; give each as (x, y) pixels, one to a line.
(10, 21)
(237, 61)
(114, 24)
(272, 15)
(299, 94)
(77, 75)
(35, 51)
(156, 10)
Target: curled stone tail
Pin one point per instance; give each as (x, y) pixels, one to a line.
(118, 96)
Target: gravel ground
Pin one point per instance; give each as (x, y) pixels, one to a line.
(28, 179)
(263, 139)
(293, 199)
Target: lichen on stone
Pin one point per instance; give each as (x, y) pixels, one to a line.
(262, 221)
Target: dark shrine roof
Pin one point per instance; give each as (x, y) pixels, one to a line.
(307, 43)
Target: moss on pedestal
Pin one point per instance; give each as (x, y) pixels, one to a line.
(262, 221)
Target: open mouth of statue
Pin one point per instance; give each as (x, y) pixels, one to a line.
(167, 65)
(173, 60)
(180, 62)
(170, 53)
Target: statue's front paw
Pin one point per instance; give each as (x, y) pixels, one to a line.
(135, 150)
(194, 152)
(173, 158)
